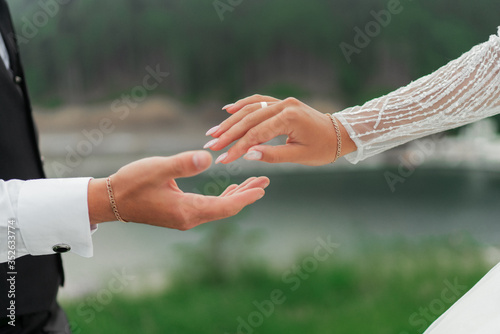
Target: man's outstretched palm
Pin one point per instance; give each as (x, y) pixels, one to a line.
(146, 192)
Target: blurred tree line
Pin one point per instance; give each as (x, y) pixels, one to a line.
(85, 50)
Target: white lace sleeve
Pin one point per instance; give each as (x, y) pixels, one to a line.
(465, 90)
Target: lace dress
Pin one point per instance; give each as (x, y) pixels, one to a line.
(464, 91)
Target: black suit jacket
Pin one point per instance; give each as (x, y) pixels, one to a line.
(38, 277)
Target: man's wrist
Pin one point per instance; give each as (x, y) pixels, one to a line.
(98, 202)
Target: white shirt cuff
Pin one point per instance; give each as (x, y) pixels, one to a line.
(54, 212)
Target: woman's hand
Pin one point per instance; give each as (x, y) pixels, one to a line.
(311, 135)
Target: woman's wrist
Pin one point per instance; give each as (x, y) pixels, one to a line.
(348, 145)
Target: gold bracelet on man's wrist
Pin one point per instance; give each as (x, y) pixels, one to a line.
(112, 201)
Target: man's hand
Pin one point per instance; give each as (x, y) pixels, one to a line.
(146, 192)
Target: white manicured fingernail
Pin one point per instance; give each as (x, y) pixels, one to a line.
(221, 158)
(211, 143)
(212, 130)
(253, 155)
(227, 106)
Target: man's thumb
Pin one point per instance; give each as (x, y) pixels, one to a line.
(188, 164)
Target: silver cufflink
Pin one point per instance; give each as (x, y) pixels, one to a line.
(61, 248)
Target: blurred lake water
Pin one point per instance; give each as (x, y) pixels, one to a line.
(299, 207)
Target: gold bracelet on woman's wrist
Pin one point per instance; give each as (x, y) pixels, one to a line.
(339, 137)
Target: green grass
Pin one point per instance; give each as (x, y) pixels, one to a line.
(380, 289)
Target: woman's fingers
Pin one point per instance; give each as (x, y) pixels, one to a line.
(275, 154)
(261, 133)
(237, 117)
(249, 121)
(311, 136)
(240, 128)
(232, 108)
